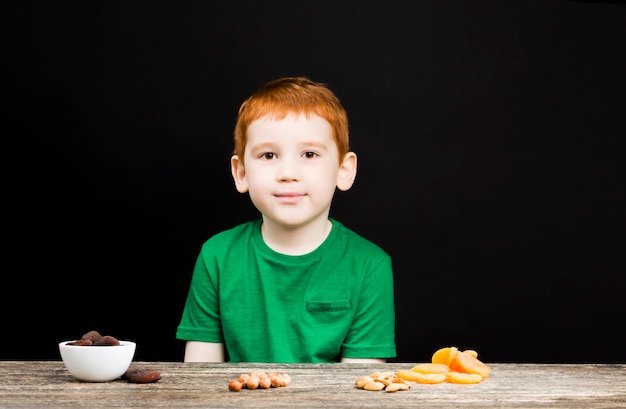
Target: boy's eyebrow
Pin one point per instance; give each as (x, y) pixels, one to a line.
(271, 145)
(262, 146)
(315, 144)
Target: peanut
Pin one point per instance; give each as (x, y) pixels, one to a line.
(286, 379)
(277, 379)
(253, 381)
(234, 385)
(265, 382)
(243, 378)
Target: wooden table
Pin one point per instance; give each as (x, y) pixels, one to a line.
(28, 384)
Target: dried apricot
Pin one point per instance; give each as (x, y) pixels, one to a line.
(409, 375)
(471, 352)
(444, 355)
(431, 368)
(466, 378)
(466, 363)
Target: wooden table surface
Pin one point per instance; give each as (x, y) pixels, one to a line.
(29, 384)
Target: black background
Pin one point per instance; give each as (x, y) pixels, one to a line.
(491, 163)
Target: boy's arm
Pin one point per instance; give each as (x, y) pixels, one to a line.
(196, 351)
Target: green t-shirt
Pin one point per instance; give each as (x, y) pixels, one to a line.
(337, 301)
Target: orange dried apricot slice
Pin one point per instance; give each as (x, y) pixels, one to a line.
(466, 378)
(471, 352)
(431, 378)
(444, 355)
(466, 363)
(431, 368)
(409, 375)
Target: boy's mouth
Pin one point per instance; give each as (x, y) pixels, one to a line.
(289, 197)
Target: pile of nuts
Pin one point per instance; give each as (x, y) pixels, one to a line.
(378, 381)
(255, 380)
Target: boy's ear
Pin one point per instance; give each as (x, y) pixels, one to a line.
(347, 172)
(239, 174)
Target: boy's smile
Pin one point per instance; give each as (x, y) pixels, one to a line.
(289, 198)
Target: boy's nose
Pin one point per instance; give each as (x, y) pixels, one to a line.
(288, 170)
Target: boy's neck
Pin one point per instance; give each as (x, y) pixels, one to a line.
(295, 241)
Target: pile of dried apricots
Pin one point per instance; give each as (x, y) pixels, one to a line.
(448, 364)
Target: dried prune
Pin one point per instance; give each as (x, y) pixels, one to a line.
(142, 376)
(81, 342)
(93, 336)
(107, 340)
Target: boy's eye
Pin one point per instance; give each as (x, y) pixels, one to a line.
(310, 155)
(268, 155)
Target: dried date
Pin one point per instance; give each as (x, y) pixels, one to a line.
(107, 340)
(142, 376)
(81, 342)
(94, 338)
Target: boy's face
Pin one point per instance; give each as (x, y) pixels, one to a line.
(292, 169)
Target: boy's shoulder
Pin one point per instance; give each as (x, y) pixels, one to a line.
(356, 239)
(243, 230)
(244, 227)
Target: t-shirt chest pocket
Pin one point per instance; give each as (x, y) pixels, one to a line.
(327, 306)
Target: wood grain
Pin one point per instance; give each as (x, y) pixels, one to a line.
(27, 384)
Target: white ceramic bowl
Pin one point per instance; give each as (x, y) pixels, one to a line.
(97, 363)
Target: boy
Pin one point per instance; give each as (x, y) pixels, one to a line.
(294, 285)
